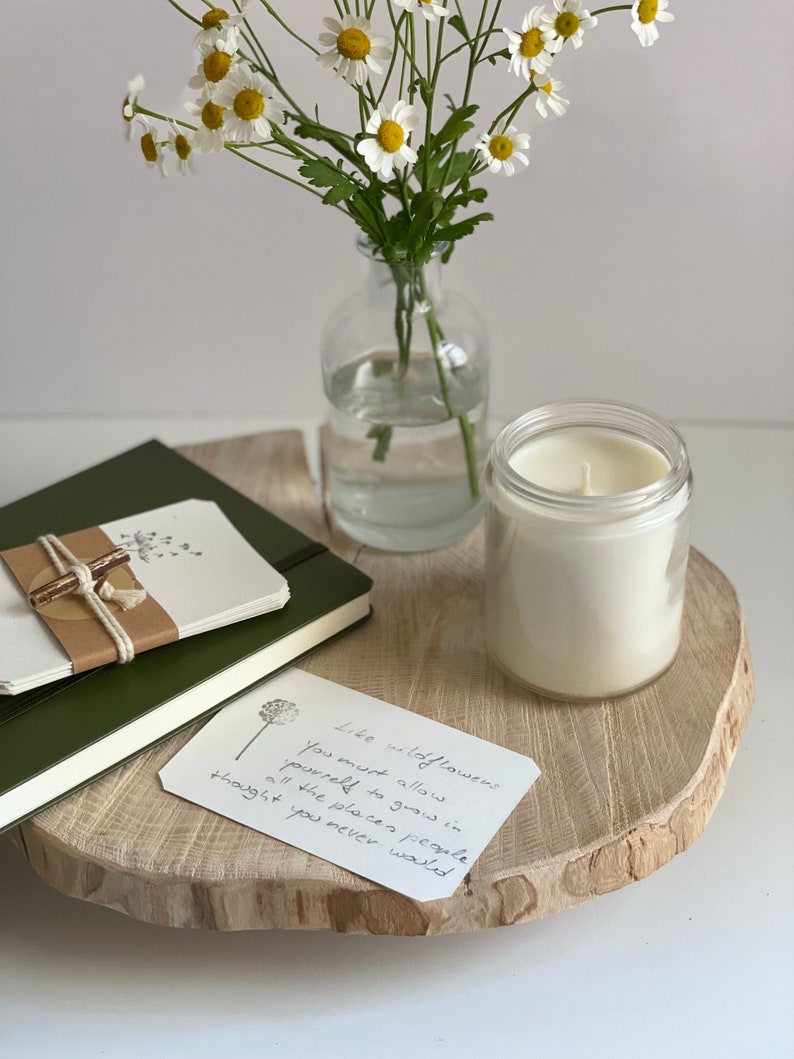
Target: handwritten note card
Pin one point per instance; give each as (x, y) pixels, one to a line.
(391, 795)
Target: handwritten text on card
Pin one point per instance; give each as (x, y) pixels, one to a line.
(383, 792)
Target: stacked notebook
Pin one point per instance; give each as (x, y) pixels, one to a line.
(247, 595)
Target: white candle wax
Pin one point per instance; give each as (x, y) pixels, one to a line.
(609, 463)
(586, 557)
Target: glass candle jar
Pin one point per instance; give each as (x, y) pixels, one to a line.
(587, 541)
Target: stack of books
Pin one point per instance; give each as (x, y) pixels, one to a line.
(255, 596)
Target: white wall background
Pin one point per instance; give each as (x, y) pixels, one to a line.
(644, 256)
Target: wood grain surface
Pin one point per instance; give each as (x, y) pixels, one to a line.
(626, 783)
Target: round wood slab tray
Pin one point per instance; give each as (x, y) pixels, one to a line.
(626, 783)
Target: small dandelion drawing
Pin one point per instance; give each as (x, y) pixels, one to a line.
(277, 711)
(150, 546)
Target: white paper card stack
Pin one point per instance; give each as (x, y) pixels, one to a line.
(188, 556)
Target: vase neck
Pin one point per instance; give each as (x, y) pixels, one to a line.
(422, 282)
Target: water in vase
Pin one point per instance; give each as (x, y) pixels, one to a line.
(419, 495)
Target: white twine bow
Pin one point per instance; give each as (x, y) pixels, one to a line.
(97, 598)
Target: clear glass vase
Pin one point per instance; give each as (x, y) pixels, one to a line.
(405, 371)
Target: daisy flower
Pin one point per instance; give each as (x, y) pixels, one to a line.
(498, 148)
(217, 18)
(182, 148)
(646, 13)
(353, 49)
(547, 97)
(211, 133)
(251, 112)
(150, 148)
(528, 48)
(431, 9)
(218, 56)
(134, 89)
(566, 23)
(386, 148)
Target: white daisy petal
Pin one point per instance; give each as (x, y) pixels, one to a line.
(134, 89)
(355, 51)
(250, 109)
(386, 148)
(179, 143)
(547, 98)
(645, 14)
(431, 9)
(501, 148)
(219, 19)
(529, 48)
(567, 22)
(151, 148)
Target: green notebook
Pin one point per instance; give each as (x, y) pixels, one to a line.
(57, 738)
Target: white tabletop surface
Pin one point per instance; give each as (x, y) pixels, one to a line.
(695, 962)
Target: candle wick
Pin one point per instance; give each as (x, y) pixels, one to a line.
(587, 485)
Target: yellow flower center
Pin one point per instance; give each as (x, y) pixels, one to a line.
(353, 44)
(216, 65)
(149, 147)
(646, 12)
(248, 104)
(500, 147)
(213, 17)
(546, 88)
(212, 115)
(566, 23)
(531, 43)
(391, 136)
(182, 147)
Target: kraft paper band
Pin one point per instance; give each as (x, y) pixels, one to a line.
(70, 619)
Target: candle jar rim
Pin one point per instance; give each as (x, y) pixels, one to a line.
(611, 416)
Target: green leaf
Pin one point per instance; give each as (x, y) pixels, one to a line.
(457, 23)
(309, 130)
(461, 163)
(505, 54)
(425, 252)
(425, 207)
(397, 230)
(382, 436)
(456, 125)
(462, 228)
(322, 173)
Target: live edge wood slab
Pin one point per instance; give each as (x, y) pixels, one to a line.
(626, 783)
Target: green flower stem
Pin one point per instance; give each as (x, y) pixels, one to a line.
(234, 149)
(433, 70)
(616, 7)
(494, 17)
(510, 111)
(403, 316)
(182, 11)
(437, 339)
(473, 60)
(393, 60)
(258, 58)
(407, 48)
(469, 43)
(286, 28)
(305, 153)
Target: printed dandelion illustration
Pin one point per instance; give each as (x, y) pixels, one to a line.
(150, 546)
(277, 711)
